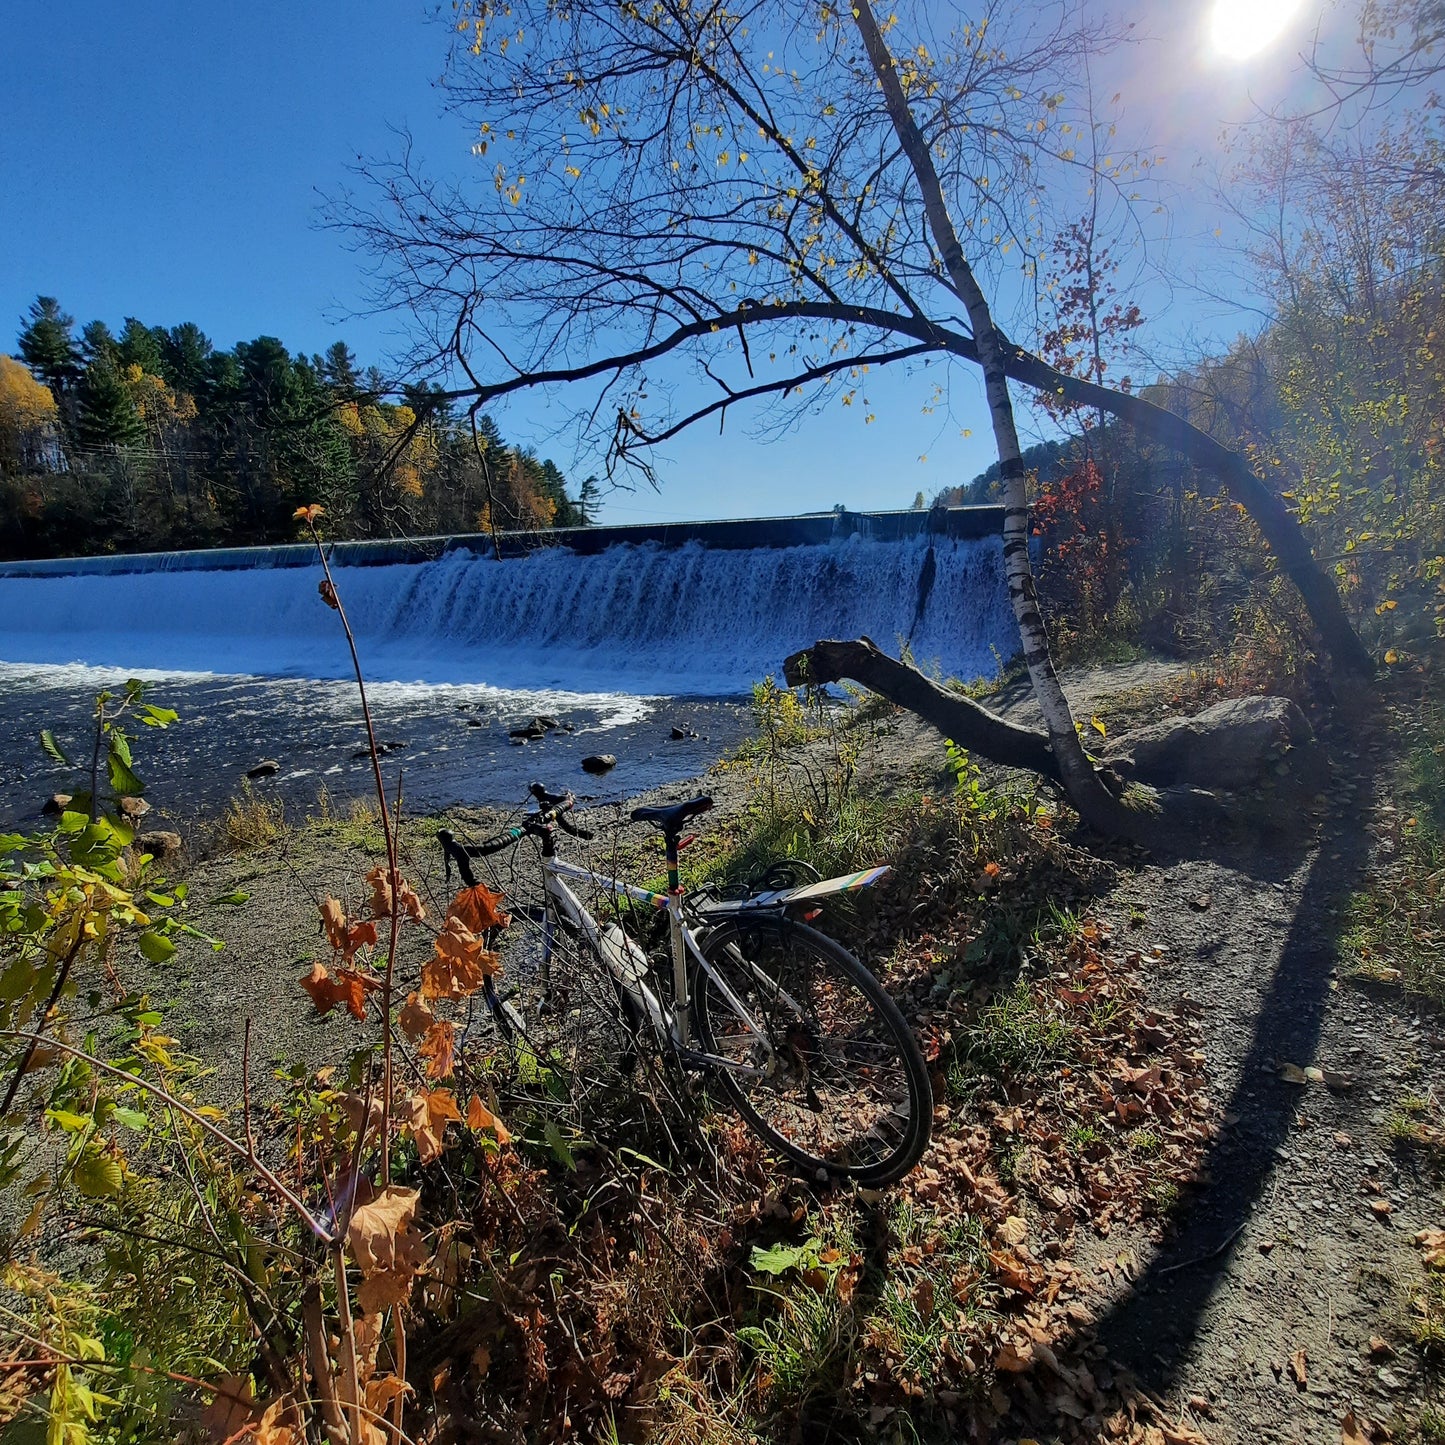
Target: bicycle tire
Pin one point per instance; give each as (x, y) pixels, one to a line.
(883, 1117)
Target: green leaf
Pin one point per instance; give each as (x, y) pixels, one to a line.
(783, 1257)
(161, 900)
(158, 717)
(71, 1123)
(11, 842)
(123, 833)
(120, 746)
(559, 1147)
(97, 1174)
(235, 897)
(122, 780)
(131, 1118)
(156, 947)
(47, 741)
(72, 822)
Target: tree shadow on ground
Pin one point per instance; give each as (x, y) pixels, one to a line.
(1150, 1329)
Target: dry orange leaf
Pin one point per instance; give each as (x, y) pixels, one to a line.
(480, 1117)
(328, 594)
(381, 1235)
(325, 991)
(991, 870)
(1432, 1242)
(438, 1049)
(1299, 1368)
(429, 1115)
(231, 1410)
(333, 920)
(380, 892)
(459, 964)
(415, 1018)
(280, 1423)
(360, 935)
(308, 514)
(479, 909)
(1352, 1430)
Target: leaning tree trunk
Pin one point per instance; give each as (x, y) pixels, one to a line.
(1096, 805)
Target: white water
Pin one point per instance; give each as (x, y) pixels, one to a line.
(636, 619)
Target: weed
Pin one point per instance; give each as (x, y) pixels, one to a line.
(1430, 1425)
(1017, 1034)
(1082, 1137)
(253, 819)
(1145, 1142)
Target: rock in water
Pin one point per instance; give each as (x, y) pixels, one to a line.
(56, 803)
(599, 763)
(133, 808)
(266, 768)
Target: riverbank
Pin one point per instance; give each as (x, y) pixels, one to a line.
(1183, 1143)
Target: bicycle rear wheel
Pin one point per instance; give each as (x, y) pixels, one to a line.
(842, 1086)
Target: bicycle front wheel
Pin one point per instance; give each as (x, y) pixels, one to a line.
(818, 1059)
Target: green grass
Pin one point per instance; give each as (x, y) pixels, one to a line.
(1015, 1036)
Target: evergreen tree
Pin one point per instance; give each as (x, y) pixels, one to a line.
(47, 346)
(339, 369)
(589, 499)
(106, 416)
(184, 353)
(97, 343)
(140, 345)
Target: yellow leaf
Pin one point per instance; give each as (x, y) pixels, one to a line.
(1098, 727)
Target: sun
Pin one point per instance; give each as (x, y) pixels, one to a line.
(1240, 29)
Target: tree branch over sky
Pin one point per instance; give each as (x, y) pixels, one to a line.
(683, 207)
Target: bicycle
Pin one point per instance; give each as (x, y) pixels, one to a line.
(802, 1038)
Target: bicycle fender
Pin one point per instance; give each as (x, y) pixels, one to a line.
(786, 897)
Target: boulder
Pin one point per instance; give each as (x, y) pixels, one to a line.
(1229, 746)
(162, 845)
(133, 808)
(598, 763)
(56, 803)
(266, 768)
(531, 733)
(476, 722)
(678, 734)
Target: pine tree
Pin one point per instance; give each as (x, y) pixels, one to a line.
(106, 415)
(339, 369)
(47, 346)
(140, 345)
(97, 343)
(184, 354)
(589, 499)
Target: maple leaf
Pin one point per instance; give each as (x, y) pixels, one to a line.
(328, 594)
(415, 1018)
(354, 987)
(438, 1048)
(333, 920)
(380, 892)
(480, 1117)
(280, 1423)
(325, 991)
(381, 1235)
(459, 964)
(231, 1410)
(308, 514)
(429, 1116)
(477, 908)
(356, 1110)
(360, 935)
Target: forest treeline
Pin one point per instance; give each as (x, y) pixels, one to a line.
(156, 439)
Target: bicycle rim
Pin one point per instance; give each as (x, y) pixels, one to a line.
(848, 1092)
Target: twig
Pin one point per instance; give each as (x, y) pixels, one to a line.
(331, 1414)
(24, 1064)
(1202, 1258)
(246, 1089)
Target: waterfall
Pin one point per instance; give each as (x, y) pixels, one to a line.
(690, 619)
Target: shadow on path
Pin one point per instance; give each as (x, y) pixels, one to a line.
(1151, 1328)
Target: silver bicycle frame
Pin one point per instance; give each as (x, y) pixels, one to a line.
(671, 1022)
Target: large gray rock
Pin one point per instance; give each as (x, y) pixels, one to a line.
(1229, 746)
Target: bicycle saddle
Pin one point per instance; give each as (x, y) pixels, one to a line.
(670, 819)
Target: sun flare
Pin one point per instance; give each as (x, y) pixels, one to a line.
(1240, 29)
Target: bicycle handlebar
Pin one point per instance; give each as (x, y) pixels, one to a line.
(554, 809)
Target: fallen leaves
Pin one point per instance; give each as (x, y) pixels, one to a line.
(1299, 1369)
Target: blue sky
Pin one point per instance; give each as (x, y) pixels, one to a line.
(168, 160)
